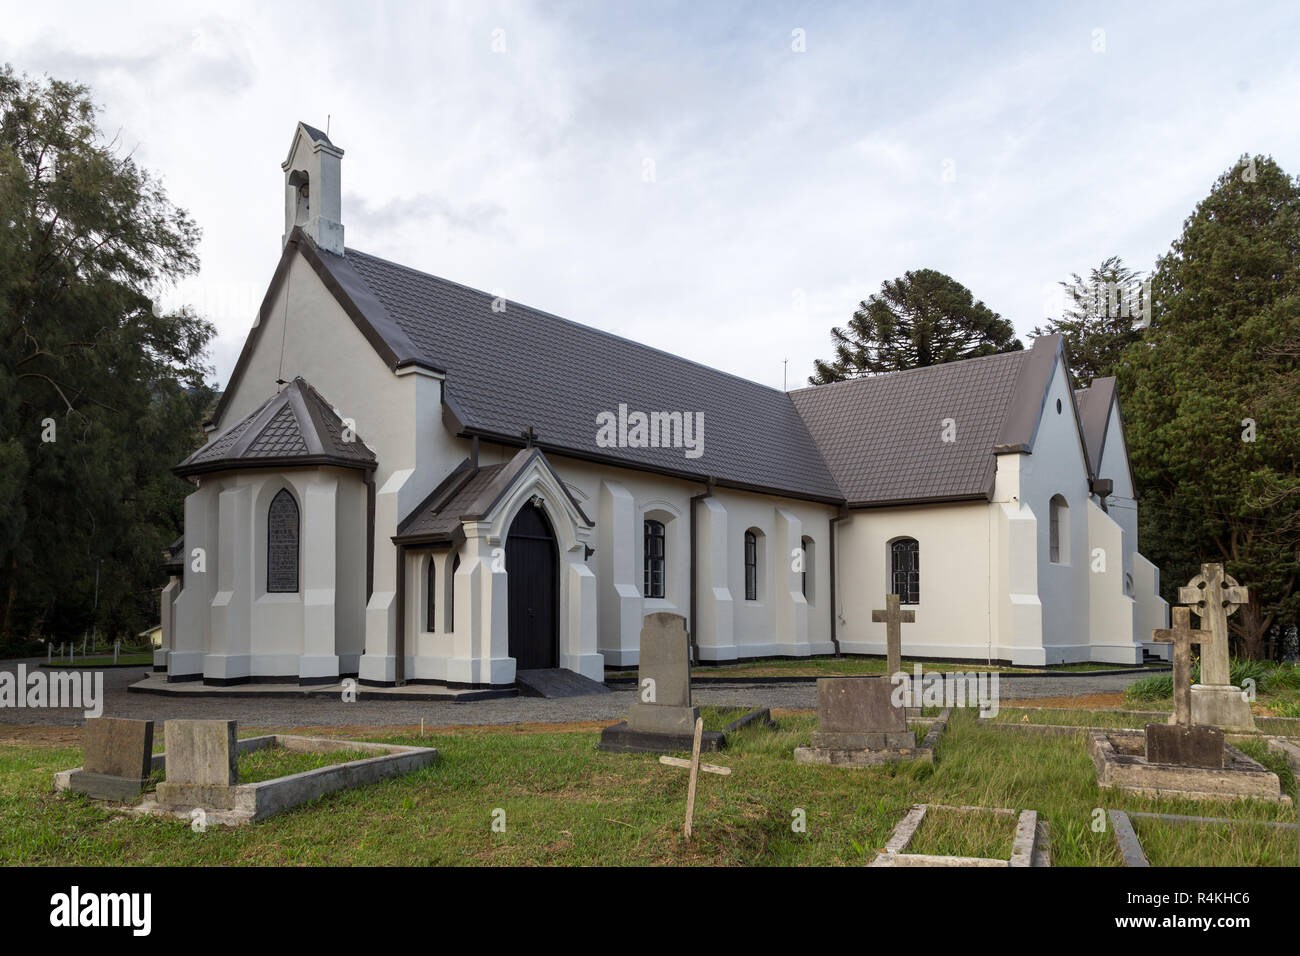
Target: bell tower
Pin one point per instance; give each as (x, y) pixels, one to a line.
(312, 189)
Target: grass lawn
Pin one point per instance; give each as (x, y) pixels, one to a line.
(853, 666)
(953, 833)
(566, 803)
(271, 762)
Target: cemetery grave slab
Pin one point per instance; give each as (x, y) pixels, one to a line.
(202, 759)
(857, 757)
(1028, 848)
(1185, 758)
(861, 724)
(1121, 763)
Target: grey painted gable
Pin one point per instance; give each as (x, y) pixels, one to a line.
(1094, 413)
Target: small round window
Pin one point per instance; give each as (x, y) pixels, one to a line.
(1058, 406)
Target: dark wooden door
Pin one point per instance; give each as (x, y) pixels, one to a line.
(532, 568)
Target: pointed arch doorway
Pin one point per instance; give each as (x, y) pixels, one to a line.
(532, 572)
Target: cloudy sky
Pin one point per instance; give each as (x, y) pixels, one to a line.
(721, 180)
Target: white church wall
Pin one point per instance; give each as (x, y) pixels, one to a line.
(1153, 610)
(619, 500)
(193, 605)
(228, 627)
(1058, 466)
(1112, 613)
(1018, 607)
(954, 616)
(398, 416)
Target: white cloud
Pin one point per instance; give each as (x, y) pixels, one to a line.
(774, 171)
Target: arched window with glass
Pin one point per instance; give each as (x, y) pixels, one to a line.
(905, 570)
(282, 531)
(751, 565)
(655, 559)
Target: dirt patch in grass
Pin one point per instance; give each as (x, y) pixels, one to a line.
(41, 736)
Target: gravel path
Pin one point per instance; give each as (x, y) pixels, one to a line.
(313, 712)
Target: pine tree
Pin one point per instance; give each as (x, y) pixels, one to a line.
(1209, 397)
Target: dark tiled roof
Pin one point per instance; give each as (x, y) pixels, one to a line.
(295, 426)
(174, 556)
(468, 493)
(439, 516)
(1094, 412)
(510, 370)
(883, 436)
(317, 135)
(870, 441)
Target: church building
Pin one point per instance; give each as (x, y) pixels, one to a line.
(408, 480)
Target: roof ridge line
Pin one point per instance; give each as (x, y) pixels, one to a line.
(567, 321)
(904, 371)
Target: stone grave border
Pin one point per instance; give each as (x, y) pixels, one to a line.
(1240, 778)
(712, 741)
(1288, 745)
(249, 802)
(762, 716)
(856, 759)
(1029, 848)
(1130, 847)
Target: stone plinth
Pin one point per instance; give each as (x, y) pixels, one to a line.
(1221, 705)
(1121, 764)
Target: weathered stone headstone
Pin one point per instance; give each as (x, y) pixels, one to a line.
(860, 725)
(1183, 743)
(662, 717)
(202, 762)
(858, 713)
(893, 618)
(116, 758)
(1213, 596)
(663, 703)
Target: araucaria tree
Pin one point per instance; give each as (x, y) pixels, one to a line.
(923, 318)
(99, 394)
(1210, 397)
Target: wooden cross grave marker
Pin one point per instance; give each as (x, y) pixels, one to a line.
(1182, 636)
(893, 618)
(1214, 595)
(694, 766)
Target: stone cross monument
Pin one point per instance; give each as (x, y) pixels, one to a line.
(1183, 742)
(1213, 596)
(893, 619)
